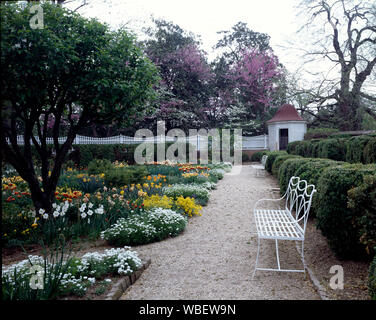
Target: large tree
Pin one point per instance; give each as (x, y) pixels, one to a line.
(185, 73)
(345, 36)
(75, 71)
(249, 79)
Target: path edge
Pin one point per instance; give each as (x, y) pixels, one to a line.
(123, 284)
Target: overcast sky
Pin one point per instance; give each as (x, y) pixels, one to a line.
(277, 18)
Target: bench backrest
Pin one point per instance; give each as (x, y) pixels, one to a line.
(299, 199)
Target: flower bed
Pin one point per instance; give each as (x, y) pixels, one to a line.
(154, 225)
(39, 278)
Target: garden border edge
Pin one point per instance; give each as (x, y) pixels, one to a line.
(123, 284)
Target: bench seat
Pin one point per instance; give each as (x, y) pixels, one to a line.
(277, 224)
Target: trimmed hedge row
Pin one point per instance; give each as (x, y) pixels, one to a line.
(278, 162)
(345, 204)
(355, 149)
(337, 222)
(272, 156)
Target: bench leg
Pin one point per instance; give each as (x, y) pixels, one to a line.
(257, 257)
(277, 254)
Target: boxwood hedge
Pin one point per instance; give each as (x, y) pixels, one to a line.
(334, 218)
(271, 157)
(279, 161)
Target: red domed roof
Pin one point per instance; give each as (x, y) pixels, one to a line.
(286, 113)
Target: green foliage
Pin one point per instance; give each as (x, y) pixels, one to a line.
(291, 147)
(197, 191)
(355, 147)
(73, 72)
(279, 161)
(334, 219)
(257, 156)
(245, 157)
(98, 166)
(372, 279)
(288, 169)
(369, 152)
(119, 177)
(16, 283)
(271, 158)
(362, 201)
(334, 149)
(339, 147)
(318, 133)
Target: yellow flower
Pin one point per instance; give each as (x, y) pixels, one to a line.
(122, 192)
(189, 206)
(142, 193)
(157, 201)
(34, 225)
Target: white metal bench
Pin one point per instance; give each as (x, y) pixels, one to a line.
(260, 168)
(288, 223)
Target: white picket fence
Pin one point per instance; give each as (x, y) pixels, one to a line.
(248, 143)
(256, 142)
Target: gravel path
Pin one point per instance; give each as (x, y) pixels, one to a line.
(215, 256)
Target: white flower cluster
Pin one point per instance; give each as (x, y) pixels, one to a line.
(124, 260)
(22, 268)
(120, 258)
(87, 210)
(209, 185)
(219, 173)
(59, 210)
(148, 226)
(186, 190)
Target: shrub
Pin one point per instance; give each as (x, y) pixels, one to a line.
(319, 133)
(98, 166)
(372, 279)
(362, 202)
(313, 148)
(292, 146)
(218, 173)
(271, 157)
(196, 191)
(334, 219)
(125, 176)
(150, 226)
(279, 161)
(257, 156)
(369, 152)
(355, 147)
(245, 157)
(303, 149)
(334, 149)
(288, 169)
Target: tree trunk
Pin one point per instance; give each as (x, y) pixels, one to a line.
(349, 116)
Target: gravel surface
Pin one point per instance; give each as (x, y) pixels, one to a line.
(215, 256)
